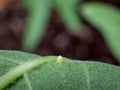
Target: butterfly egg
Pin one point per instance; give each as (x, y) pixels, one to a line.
(59, 59)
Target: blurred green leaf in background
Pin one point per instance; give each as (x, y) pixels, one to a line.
(104, 17)
(37, 20)
(107, 19)
(39, 12)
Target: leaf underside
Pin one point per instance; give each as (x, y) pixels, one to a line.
(70, 75)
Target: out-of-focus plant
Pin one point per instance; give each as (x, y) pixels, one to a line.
(107, 19)
(39, 12)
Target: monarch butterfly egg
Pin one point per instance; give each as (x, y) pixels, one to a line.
(59, 59)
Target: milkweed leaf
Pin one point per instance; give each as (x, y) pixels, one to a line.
(23, 71)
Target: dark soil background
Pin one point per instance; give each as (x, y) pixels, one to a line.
(89, 45)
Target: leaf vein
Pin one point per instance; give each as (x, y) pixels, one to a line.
(87, 75)
(28, 81)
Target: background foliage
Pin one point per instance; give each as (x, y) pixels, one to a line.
(105, 17)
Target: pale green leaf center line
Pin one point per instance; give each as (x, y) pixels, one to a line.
(87, 75)
(27, 81)
(13, 74)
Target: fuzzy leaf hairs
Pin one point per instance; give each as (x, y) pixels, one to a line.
(24, 71)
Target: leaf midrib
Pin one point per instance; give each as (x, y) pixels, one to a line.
(6, 79)
(25, 76)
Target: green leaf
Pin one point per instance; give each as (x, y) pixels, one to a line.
(30, 3)
(23, 71)
(67, 9)
(37, 21)
(107, 19)
(39, 12)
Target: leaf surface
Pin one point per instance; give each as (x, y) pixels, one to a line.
(32, 72)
